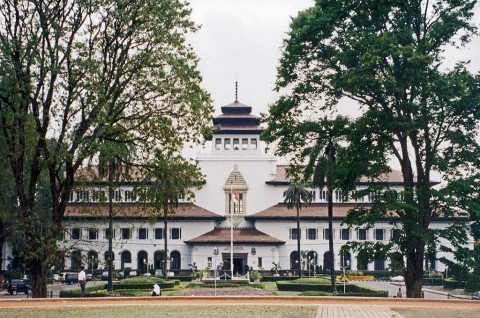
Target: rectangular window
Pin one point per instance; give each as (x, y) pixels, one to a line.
(313, 195)
(244, 143)
(82, 196)
(236, 144)
(92, 234)
(395, 234)
(117, 195)
(76, 233)
(253, 144)
(70, 197)
(218, 143)
(326, 233)
(323, 196)
(107, 233)
(130, 196)
(125, 233)
(158, 234)
(379, 264)
(209, 262)
(236, 207)
(226, 143)
(362, 234)
(338, 196)
(175, 233)
(345, 233)
(98, 196)
(311, 234)
(260, 262)
(142, 234)
(379, 234)
(294, 235)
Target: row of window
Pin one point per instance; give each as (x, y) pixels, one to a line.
(125, 233)
(101, 196)
(345, 234)
(236, 143)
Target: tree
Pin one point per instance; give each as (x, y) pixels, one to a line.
(296, 194)
(169, 178)
(73, 70)
(386, 56)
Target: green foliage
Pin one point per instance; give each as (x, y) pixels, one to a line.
(387, 59)
(113, 73)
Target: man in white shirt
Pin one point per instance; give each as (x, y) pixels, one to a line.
(82, 280)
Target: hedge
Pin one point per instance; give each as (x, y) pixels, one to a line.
(432, 281)
(453, 284)
(129, 285)
(277, 278)
(351, 290)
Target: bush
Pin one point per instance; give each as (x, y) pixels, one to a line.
(453, 284)
(351, 290)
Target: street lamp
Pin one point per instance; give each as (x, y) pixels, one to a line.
(215, 253)
(345, 265)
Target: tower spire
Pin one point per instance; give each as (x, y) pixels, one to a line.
(236, 91)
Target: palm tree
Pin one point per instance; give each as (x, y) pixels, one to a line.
(296, 194)
(321, 169)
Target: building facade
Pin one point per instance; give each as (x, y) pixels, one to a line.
(241, 199)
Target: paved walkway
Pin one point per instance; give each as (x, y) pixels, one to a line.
(354, 311)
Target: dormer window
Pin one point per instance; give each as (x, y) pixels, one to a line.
(236, 144)
(227, 144)
(244, 143)
(253, 144)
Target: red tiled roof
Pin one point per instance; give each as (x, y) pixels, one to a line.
(395, 176)
(244, 235)
(315, 211)
(100, 210)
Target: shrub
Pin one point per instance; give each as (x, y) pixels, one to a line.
(453, 284)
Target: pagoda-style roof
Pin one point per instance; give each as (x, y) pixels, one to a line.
(236, 118)
(137, 210)
(240, 236)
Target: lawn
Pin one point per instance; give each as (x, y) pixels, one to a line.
(230, 311)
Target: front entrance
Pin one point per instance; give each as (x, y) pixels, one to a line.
(240, 263)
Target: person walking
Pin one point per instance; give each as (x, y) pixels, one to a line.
(82, 280)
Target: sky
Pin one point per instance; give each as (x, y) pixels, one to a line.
(240, 40)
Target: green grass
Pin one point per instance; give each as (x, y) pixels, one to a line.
(230, 311)
(163, 310)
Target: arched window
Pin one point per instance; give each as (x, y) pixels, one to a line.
(327, 261)
(362, 261)
(76, 260)
(346, 260)
(92, 259)
(142, 261)
(175, 260)
(158, 259)
(294, 260)
(126, 259)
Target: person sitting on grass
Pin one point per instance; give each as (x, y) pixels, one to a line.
(156, 290)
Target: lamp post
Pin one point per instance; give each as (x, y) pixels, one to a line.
(215, 253)
(309, 262)
(345, 265)
(314, 264)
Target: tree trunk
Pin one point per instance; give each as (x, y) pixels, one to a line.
(330, 240)
(299, 258)
(111, 257)
(39, 278)
(165, 246)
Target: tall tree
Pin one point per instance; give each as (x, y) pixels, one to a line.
(386, 57)
(296, 195)
(72, 70)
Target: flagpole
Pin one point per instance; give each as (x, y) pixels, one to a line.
(231, 230)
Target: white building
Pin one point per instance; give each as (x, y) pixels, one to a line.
(264, 229)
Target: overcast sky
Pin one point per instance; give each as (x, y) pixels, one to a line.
(241, 40)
